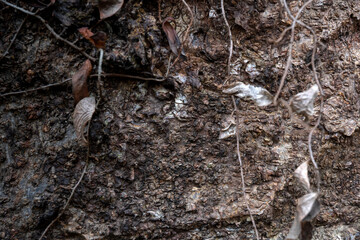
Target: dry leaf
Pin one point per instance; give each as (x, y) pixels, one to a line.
(79, 81)
(304, 102)
(107, 8)
(82, 115)
(302, 174)
(171, 35)
(99, 39)
(307, 208)
(86, 33)
(306, 204)
(260, 95)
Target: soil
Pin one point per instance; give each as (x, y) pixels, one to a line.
(157, 167)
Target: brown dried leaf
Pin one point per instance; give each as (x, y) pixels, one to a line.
(171, 35)
(99, 39)
(302, 174)
(107, 8)
(79, 81)
(82, 115)
(86, 33)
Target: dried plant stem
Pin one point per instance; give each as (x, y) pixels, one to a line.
(241, 168)
(288, 62)
(99, 82)
(14, 37)
(57, 36)
(35, 89)
(230, 36)
(72, 191)
(159, 11)
(186, 33)
(119, 75)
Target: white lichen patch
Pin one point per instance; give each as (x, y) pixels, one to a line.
(260, 95)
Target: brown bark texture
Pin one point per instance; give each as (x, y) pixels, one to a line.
(163, 162)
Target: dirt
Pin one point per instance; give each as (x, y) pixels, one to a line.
(158, 169)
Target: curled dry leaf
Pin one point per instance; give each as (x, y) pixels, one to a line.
(302, 174)
(79, 81)
(97, 39)
(86, 33)
(260, 95)
(171, 35)
(307, 208)
(82, 115)
(304, 102)
(107, 8)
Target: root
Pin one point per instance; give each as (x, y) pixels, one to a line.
(241, 168)
(230, 36)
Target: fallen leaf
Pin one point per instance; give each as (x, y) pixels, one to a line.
(107, 8)
(99, 39)
(171, 35)
(304, 102)
(81, 116)
(86, 33)
(302, 174)
(261, 96)
(79, 81)
(307, 208)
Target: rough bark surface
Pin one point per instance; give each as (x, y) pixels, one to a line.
(158, 169)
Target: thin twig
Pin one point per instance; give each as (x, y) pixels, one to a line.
(230, 35)
(241, 168)
(186, 33)
(36, 89)
(93, 75)
(120, 75)
(57, 36)
(14, 37)
(159, 11)
(288, 62)
(73, 190)
(99, 82)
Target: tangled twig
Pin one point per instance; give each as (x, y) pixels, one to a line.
(320, 89)
(57, 36)
(186, 33)
(241, 168)
(288, 62)
(230, 35)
